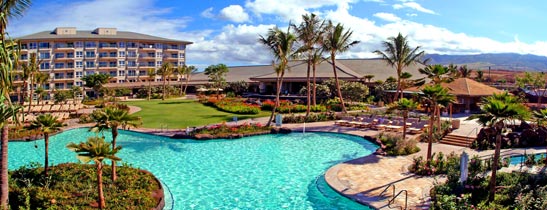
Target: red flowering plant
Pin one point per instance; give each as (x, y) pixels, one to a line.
(223, 130)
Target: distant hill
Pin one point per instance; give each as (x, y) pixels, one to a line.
(503, 61)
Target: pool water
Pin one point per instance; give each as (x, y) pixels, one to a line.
(260, 172)
(518, 159)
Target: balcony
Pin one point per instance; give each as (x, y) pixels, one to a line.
(147, 47)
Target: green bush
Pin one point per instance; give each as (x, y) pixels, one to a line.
(313, 117)
(394, 144)
(437, 165)
(223, 130)
(74, 186)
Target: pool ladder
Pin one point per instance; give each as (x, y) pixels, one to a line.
(393, 197)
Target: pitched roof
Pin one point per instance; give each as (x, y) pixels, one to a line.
(379, 68)
(465, 87)
(298, 71)
(92, 35)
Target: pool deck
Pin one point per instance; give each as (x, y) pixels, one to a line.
(370, 180)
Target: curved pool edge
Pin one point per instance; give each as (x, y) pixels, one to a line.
(331, 177)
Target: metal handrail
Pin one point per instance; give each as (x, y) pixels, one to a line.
(393, 199)
(476, 129)
(385, 190)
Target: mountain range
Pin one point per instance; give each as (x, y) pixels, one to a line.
(498, 61)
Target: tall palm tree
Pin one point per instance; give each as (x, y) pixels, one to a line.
(316, 60)
(46, 124)
(434, 96)
(404, 106)
(41, 79)
(464, 72)
(399, 54)
(187, 71)
(309, 33)
(96, 150)
(497, 110)
(151, 74)
(28, 70)
(8, 58)
(112, 118)
(165, 70)
(337, 40)
(281, 46)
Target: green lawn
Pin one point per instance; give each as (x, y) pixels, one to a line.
(182, 113)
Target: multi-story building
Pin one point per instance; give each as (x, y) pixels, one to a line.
(67, 55)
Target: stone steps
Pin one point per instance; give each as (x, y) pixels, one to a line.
(457, 140)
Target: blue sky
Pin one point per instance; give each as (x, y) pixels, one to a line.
(225, 31)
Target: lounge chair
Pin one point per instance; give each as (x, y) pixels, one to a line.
(395, 126)
(381, 124)
(417, 128)
(344, 121)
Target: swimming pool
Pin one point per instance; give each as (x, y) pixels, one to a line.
(518, 159)
(260, 172)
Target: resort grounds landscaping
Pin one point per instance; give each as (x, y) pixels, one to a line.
(73, 186)
(177, 113)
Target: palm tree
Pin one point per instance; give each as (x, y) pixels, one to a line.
(309, 33)
(540, 116)
(438, 73)
(281, 45)
(398, 54)
(337, 40)
(405, 106)
(434, 96)
(96, 150)
(464, 72)
(112, 118)
(46, 124)
(165, 71)
(187, 71)
(41, 79)
(28, 70)
(480, 75)
(316, 60)
(497, 110)
(151, 74)
(75, 90)
(8, 58)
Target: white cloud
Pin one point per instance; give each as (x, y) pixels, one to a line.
(387, 16)
(234, 13)
(413, 5)
(291, 9)
(208, 13)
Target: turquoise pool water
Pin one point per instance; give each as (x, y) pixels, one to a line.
(260, 172)
(518, 159)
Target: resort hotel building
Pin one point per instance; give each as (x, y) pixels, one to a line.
(67, 54)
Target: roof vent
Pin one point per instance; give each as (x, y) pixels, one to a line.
(105, 31)
(65, 30)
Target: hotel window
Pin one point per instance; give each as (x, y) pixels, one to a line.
(44, 66)
(121, 73)
(70, 65)
(113, 73)
(59, 55)
(181, 55)
(69, 85)
(70, 75)
(132, 73)
(181, 63)
(113, 54)
(121, 63)
(89, 72)
(121, 54)
(174, 64)
(89, 54)
(158, 54)
(131, 63)
(159, 45)
(112, 64)
(174, 55)
(79, 74)
(174, 46)
(121, 44)
(142, 73)
(182, 47)
(59, 65)
(44, 55)
(70, 55)
(79, 64)
(59, 86)
(103, 54)
(79, 84)
(131, 54)
(89, 64)
(59, 75)
(131, 45)
(24, 56)
(150, 64)
(90, 44)
(79, 54)
(121, 81)
(158, 63)
(103, 64)
(44, 45)
(32, 45)
(24, 46)
(46, 86)
(78, 44)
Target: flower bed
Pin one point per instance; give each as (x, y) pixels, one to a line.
(73, 186)
(226, 131)
(313, 117)
(289, 107)
(232, 105)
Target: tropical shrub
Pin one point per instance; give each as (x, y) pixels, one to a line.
(437, 165)
(393, 144)
(231, 105)
(313, 117)
(223, 130)
(72, 186)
